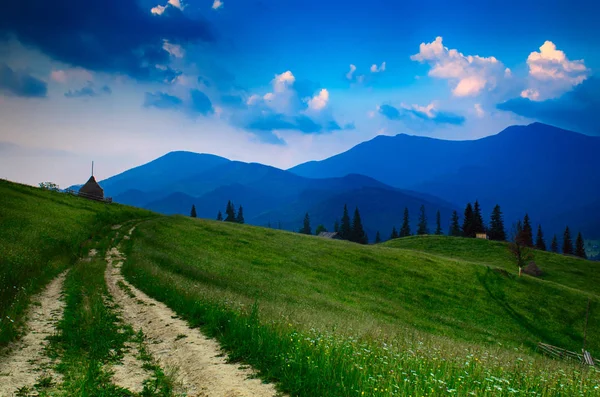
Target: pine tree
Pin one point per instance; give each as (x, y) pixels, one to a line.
(497, 231)
(358, 234)
(394, 233)
(468, 222)
(567, 247)
(539, 241)
(422, 229)
(405, 229)
(554, 245)
(438, 224)
(377, 238)
(345, 227)
(219, 216)
(306, 225)
(336, 226)
(580, 246)
(193, 211)
(230, 212)
(454, 225)
(527, 232)
(478, 226)
(240, 215)
(320, 229)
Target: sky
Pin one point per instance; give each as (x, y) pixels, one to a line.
(279, 82)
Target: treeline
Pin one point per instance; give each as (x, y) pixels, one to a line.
(230, 214)
(351, 230)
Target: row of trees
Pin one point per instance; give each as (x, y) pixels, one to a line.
(230, 214)
(351, 230)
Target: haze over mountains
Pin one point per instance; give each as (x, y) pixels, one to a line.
(556, 182)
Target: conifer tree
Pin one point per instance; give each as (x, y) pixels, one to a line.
(240, 215)
(478, 226)
(497, 231)
(345, 227)
(230, 212)
(320, 229)
(377, 238)
(580, 246)
(306, 225)
(193, 211)
(394, 233)
(336, 226)
(405, 229)
(219, 216)
(454, 225)
(422, 229)
(554, 245)
(468, 222)
(539, 241)
(527, 232)
(358, 234)
(438, 224)
(567, 247)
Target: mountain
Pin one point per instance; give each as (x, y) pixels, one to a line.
(539, 169)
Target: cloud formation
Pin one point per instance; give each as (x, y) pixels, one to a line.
(319, 101)
(427, 113)
(217, 4)
(375, 69)
(200, 102)
(112, 36)
(162, 100)
(577, 109)
(20, 83)
(469, 75)
(88, 91)
(551, 73)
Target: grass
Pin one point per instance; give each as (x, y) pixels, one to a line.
(339, 319)
(42, 234)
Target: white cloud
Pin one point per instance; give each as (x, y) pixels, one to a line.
(269, 96)
(173, 49)
(176, 3)
(78, 74)
(468, 74)
(159, 10)
(217, 4)
(429, 110)
(319, 101)
(60, 76)
(552, 73)
(479, 110)
(350, 74)
(253, 100)
(282, 81)
(375, 69)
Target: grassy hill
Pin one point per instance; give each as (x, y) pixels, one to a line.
(42, 233)
(317, 289)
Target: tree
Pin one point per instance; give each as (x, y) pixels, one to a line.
(580, 246)
(438, 224)
(49, 186)
(345, 226)
(405, 229)
(527, 232)
(454, 225)
(539, 241)
(554, 245)
(336, 226)
(219, 216)
(468, 224)
(422, 228)
(306, 225)
(320, 229)
(394, 233)
(193, 211)
(497, 231)
(358, 234)
(520, 252)
(567, 247)
(377, 238)
(240, 215)
(230, 212)
(478, 226)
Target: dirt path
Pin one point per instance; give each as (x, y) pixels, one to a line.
(198, 361)
(27, 361)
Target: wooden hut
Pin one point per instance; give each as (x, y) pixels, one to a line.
(331, 235)
(92, 190)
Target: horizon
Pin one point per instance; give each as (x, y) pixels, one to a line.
(278, 86)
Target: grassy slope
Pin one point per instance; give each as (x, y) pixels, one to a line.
(569, 271)
(368, 288)
(41, 234)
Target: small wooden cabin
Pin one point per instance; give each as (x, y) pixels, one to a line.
(92, 190)
(482, 236)
(331, 235)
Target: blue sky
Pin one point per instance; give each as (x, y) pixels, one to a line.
(279, 82)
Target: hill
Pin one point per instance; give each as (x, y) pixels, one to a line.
(516, 168)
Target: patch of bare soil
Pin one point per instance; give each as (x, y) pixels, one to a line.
(130, 374)
(198, 361)
(27, 362)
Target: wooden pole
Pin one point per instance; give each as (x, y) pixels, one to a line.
(587, 315)
(92, 168)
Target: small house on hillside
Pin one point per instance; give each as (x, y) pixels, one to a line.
(92, 190)
(482, 236)
(331, 235)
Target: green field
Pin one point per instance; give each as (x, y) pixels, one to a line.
(420, 316)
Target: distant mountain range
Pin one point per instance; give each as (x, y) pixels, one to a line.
(548, 172)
